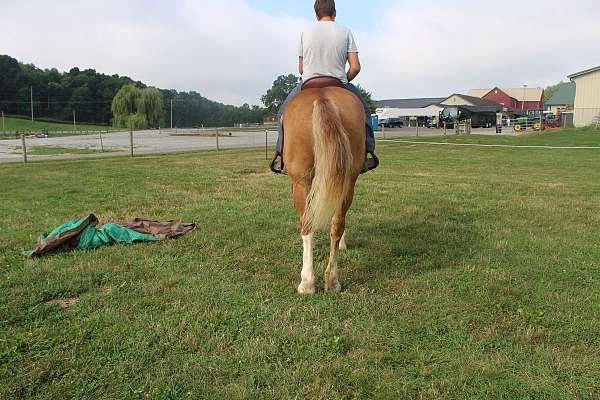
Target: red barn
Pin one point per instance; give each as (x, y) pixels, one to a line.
(518, 99)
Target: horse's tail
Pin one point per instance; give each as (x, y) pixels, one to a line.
(333, 165)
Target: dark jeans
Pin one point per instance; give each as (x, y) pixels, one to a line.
(370, 137)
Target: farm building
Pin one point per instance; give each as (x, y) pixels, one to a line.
(410, 109)
(481, 112)
(563, 100)
(587, 97)
(513, 99)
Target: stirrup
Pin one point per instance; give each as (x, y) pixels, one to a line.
(370, 163)
(278, 162)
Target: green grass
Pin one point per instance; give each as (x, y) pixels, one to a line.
(472, 273)
(52, 150)
(26, 125)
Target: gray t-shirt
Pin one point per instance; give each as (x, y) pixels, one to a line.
(325, 47)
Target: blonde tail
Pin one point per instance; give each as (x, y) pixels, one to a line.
(333, 165)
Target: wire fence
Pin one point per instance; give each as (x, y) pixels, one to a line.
(94, 141)
(34, 146)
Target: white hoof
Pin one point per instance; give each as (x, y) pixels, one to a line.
(306, 289)
(343, 246)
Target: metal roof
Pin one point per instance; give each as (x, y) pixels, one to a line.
(565, 95)
(475, 101)
(587, 71)
(408, 103)
(520, 94)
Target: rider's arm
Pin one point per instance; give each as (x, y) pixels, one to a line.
(301, 65)
(354, 66)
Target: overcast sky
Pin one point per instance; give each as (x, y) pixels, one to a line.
(232, 50)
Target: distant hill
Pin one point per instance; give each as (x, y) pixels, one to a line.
(89, 93)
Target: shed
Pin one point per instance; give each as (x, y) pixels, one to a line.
(563, 99)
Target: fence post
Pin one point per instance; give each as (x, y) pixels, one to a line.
(101, 143)
(383, 131)
(445, 128)
(217, 136)
(266, 145)
(24, 148)
(131, 141)
(417, 123)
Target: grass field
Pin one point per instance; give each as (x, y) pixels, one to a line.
(25, 125)
(472, 273)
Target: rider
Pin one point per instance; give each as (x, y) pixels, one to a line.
(324, 50)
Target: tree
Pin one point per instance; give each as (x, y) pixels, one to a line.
(551, 90)
(275, 96)
(367, 97)
(150, 105)
(125, 105)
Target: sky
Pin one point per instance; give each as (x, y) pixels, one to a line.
(232, 50)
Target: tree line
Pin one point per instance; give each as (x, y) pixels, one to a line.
(90, 94)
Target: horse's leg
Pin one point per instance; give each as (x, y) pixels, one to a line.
(338, 226)
(307, 286)
(343, 246)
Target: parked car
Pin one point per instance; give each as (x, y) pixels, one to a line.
(391, 123)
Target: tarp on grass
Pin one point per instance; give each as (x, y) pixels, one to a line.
(84, 234)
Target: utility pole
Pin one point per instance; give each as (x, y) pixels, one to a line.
(74, 127)
(171, 113)
(3, 126)
(31, 103)
(524, 97)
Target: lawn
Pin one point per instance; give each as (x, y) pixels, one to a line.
(471, 273)
(26, 125)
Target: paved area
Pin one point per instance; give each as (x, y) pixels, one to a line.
(152, 142)
(145, 142)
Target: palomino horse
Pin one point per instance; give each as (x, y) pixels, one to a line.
(324, 151)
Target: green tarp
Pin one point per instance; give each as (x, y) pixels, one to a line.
(84, 234)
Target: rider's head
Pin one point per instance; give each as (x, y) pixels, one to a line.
(325, 9)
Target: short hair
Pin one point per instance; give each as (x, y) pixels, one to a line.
(324, 8)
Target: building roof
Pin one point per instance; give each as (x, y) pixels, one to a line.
(520, 94)
(476, 101)
(565, 95)
(587, 71)
(410, 112)
(408, 103)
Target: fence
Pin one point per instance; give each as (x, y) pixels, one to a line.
(98, 144)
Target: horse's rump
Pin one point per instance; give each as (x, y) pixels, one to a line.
(333, 154)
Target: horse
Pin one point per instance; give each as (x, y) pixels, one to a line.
(323, 153)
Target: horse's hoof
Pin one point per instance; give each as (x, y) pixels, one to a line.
(333, 287)
(306, 290)
(343, 246)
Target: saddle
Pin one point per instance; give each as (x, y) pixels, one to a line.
(322, 82)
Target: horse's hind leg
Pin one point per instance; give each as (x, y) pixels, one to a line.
(307, 286)
(338, 226)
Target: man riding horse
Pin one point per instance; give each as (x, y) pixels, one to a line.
(324, 50)
(324, 151)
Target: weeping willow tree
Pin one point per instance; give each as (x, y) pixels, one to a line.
(150, 105)
(135, 108)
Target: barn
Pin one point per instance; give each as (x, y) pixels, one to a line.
(513, 99)
(587, 97)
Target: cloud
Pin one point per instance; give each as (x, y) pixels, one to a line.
(223, 49)
(439, 48)
(231, 52)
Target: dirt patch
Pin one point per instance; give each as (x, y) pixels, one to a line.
(106, 290)
(63, 303)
